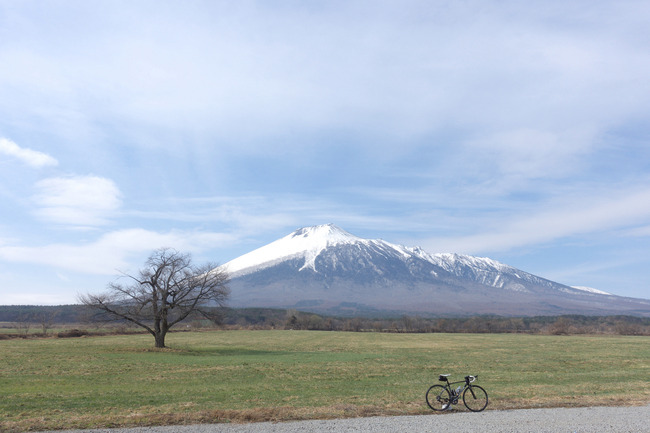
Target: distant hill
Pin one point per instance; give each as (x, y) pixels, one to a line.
(328, 270)
(38, 313)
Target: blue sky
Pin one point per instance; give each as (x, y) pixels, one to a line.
(513, 130)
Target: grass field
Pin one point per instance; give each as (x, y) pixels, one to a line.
(232, 376)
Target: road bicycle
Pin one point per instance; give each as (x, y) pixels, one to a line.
(441, 397)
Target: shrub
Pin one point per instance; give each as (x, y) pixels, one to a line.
(72, 333)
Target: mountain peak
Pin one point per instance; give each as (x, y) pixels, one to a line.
(329, 233)
(307, 242)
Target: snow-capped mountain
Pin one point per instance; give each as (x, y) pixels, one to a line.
(307, 242)
(325, 268)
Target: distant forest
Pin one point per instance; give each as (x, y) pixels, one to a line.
(40, 319)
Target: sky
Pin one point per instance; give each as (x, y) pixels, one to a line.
(512, 130)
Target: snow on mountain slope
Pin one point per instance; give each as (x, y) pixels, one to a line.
(452, 261)
(307, 242)
(591, 290)
(490, 272)
(325, 267)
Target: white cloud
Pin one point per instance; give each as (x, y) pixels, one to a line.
(531, 153)
(578, 218)
(121, 250)
(30, 157)
(79, 201)
(34, 298)
(398, 72)
(643, 231)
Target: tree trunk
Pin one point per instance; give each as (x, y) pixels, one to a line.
(160, 338)
(160, 330)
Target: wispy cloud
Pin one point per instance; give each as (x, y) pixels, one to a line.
(544, 226)
(77, 201)
(398, 72)
(33, 158)
(526, 153)
(113, 252)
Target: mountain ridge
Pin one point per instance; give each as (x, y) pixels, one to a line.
(325, 266)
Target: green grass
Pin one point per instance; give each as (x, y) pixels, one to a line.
(278, 375)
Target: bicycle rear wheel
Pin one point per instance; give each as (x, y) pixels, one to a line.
(475, 398)
(438, 397)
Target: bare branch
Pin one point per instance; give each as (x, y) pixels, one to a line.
(168, 290)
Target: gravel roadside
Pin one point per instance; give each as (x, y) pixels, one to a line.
(579, 420)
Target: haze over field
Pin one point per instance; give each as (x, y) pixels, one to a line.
(504, 130)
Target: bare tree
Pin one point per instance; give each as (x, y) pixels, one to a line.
(24, 322)
(46, 318)
(167, 290)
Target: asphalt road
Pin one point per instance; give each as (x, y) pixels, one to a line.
(579, 420)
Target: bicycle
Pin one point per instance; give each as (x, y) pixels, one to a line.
(442, 397)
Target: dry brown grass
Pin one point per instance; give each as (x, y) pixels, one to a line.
(249, 376)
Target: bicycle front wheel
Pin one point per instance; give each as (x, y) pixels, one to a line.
(475, 398)
(438, 397)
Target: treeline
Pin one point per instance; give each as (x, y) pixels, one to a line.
(37, 313)
(44, 318)
(556, 325)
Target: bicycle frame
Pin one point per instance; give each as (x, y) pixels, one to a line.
(456, 395)
(452, 391)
